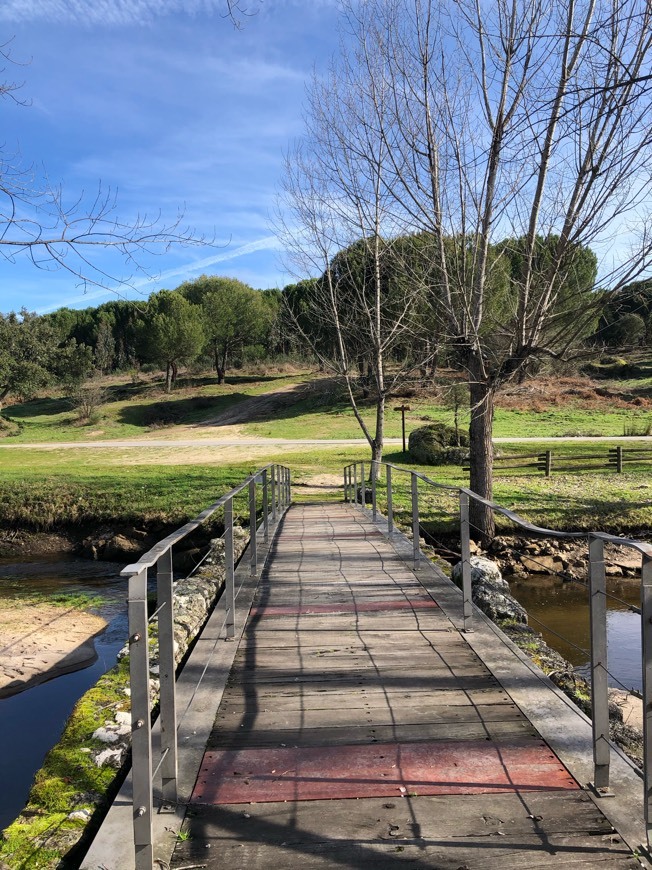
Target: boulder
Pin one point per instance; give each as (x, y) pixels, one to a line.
(436, 444)
(489, 591)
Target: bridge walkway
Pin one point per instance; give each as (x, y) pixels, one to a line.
(360, 728)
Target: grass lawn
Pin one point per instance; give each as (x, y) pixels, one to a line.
(41, 489)
(142, 409)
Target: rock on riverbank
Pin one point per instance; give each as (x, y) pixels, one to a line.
(490, 592)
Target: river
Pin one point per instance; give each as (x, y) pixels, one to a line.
(557, 608)
(32, 721)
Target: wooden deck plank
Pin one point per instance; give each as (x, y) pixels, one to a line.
(476, 831)
(332, 688)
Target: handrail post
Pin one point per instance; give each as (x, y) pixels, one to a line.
(253, 553)
(390, 508)
(646, 635)
(265, 508)
(289, 474)
(347, 471)
(599, 675)
(416, 551)
(229, 569)
(465, 547)
(374, 472)
(141, 723)
(167, 672)
(355, 483)
(273, 493)
(363, 491)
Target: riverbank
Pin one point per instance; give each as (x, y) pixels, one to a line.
(40, 641)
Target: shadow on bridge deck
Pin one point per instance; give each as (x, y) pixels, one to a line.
(360, 728)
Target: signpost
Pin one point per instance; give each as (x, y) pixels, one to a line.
(403, 409)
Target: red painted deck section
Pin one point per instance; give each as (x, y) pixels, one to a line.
(382, 770)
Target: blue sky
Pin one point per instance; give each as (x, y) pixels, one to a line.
(167, 102)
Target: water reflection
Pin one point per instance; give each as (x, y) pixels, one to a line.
(31, 722)
(563, 609)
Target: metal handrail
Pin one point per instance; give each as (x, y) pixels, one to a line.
(276, 495)
(597, 599)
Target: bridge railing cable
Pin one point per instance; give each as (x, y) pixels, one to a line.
(359, 491)
(267, 493)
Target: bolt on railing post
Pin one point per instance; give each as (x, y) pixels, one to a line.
(646, 635)
(416, 551)
(465, 547)
(374, 472)
(229, 569)
(141, 729)
(253, 551)
(355, 483)
(273, 493)
(599, 675)
(363, 491)
(167, 670)
(265, 508)
(390, 508)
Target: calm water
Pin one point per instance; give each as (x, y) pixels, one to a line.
(564, 609)
(31, 722)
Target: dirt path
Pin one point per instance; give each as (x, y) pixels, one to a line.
(42, 641)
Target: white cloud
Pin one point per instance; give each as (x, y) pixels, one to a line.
(104, 12)
(184, 271)
(118, 13)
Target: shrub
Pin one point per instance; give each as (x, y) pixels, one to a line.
(436, 444)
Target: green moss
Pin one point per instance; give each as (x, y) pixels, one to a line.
(69, 780)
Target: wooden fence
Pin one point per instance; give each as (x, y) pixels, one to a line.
(615, 458)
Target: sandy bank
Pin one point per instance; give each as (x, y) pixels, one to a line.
(41, 641)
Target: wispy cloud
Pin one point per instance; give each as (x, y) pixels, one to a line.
(184, 271)
(104, 12)
(114, 13)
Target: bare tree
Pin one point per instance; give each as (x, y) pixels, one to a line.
(336, 224)
(521, 120)
(56, 231)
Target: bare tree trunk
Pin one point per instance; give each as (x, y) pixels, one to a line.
(481, 457)
(377, 445)
(168, 377)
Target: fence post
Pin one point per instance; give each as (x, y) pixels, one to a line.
(390, 507)
(465, 542)
(273, 493)
(599, 676)
(265, 508)
(346, 486)
(141, 728)
(619, 459)
(229, 568)
(374, 472)
(289, 473)
(548, 463)
(252, 528)
(416, 551)
(167, 671)
(646, 634)
(355, 483)
(363, 492)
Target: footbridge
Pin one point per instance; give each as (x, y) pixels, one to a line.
(347, 706)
